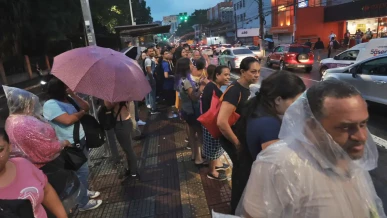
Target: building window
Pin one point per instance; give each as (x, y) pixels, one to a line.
(235, 7)
(243, 3)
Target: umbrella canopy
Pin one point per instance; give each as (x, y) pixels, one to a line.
(269, 40)
(102, 73)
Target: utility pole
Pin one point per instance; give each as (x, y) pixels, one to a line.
(131, 13)
(88, 22)
(261, 26)
(294, 19)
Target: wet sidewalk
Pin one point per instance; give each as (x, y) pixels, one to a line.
(170, 185)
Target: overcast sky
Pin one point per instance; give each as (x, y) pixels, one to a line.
(160, 8)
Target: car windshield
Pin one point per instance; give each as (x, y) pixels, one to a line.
(227, 46)
(254, 48)
(299, 50)
(242, 51)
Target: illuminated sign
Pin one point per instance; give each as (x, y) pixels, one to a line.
(282, 8)
(303, 3)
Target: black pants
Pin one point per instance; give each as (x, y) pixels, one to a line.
(242, 163)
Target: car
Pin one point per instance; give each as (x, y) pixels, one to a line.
(232, 57)
(256, 50)
(206, 50)
(221, 48)
(293, 56)
(132, 52)
(368, 76)
(355, 54)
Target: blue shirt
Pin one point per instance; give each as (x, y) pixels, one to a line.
(168, 82)
(53, 109)
(259, 131)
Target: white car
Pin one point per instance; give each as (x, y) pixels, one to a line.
(355, 54)
(221, 48)
(368, 76)
(256, 50)
(206, 50)
(232, 57)
(132, 52)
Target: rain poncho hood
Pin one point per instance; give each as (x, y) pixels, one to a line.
(22, 102)
(299, 175)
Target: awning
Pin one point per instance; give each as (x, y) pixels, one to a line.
(142, 31)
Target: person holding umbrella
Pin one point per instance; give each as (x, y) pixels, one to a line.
(62, 115)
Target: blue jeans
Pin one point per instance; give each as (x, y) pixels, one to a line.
(358, 41)
(152, 96)
(83, 176)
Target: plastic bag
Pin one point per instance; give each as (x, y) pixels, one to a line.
(302, 175)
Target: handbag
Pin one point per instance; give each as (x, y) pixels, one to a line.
(20, 208)
(74, 157)
(209, 118)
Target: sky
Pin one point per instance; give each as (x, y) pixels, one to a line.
(160, 8)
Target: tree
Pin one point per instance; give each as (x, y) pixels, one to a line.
(197, 17)
(141, 13)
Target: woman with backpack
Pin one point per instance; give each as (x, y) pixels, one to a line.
(123, 129)
(63, 116)
(190, 92)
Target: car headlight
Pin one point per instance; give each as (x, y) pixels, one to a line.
(43, 82)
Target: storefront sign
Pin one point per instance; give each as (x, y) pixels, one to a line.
(248, 32)
(276, 30)
(356, 10)
(361, 27)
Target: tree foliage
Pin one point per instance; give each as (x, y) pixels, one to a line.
(197, 17)
(30, 25)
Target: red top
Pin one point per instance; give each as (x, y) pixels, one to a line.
(35, 139)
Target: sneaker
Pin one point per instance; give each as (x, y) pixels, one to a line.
(91, 205)
(93, 194)
(224, 167)
(220, 177)
(141, 123)
(148, 106)
(173, 116)
(186, 140)
(153, 112)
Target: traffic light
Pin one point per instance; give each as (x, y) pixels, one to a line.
(183, 16)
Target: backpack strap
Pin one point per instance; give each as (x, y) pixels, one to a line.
(77, 141)
(72, 101)
(119, 111)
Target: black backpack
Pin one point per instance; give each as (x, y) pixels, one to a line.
(106, 117)
(95, 134)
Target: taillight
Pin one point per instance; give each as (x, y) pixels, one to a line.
(236, 58)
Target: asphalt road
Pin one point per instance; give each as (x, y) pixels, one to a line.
(377, 124)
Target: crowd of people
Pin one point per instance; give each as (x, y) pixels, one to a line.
(295, 152)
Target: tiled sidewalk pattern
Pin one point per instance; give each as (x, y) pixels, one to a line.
(171, 186)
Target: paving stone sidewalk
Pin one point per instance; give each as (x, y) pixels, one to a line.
(170, 185)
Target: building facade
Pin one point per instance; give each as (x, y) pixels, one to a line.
(318, 18)
(247, 20)
(222, 12)
(172, 20)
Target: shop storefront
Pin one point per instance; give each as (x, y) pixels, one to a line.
(282, 35)
(364, 15)
(248, 36)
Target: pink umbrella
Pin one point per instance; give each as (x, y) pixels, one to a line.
(102, 73)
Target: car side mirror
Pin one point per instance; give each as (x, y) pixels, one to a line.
(336, 57)
(353, 71)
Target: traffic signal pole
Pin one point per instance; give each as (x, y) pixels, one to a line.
(261, 26)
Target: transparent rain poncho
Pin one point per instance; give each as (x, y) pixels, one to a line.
(31, 136)
(299, 177)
